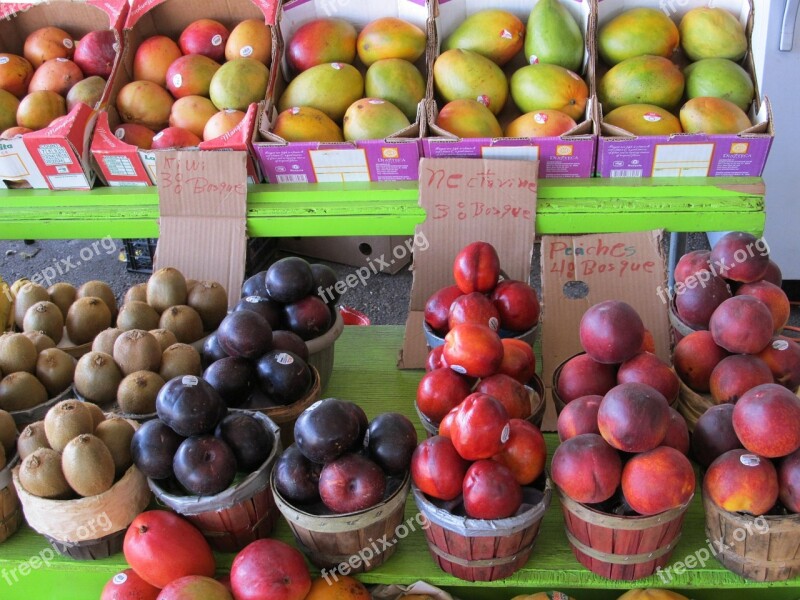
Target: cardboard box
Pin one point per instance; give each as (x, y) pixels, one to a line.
(569, 155)
(395, 158)
(580, 271)
(622, 154)
(468, 200)
(383, 254)
(56, 157)
(122, 164)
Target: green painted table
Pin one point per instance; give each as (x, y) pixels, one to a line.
(365, 372)
(369, 209)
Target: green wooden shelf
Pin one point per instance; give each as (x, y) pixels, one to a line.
(565, 206)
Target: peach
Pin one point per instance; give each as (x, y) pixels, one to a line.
(15, 74)
(789, 482)
(57, 75)
(579, 416)
(153, 57)
(767, 420)
(586, 468)
(525, 453)
(192, 113)
(696, 304)
(519, 360)
(657, 481)
(739, 481)
(691, 263)
(736, 374)
(742, 325)
(774, 297)
(633, 417)
(206, 37)
(677, 433)
(174, 137)
(581, 375)
(782, 356)
(222, 122)
(648, 368)
(740, 256)
(695, 357)
(473, 350)
(136, 135)
(714, 435)
(191, 75)
(773, 274)
(510, 392)
(611, 332)
(476, 268)
(473, 308)
(47, 43)
(649, 342)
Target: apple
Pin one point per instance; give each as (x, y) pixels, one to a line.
(491, 491)
(269, 569)
(476, 268)
(517, 303)
(437, 469)
(440, 391)
(473, 308)
(480, 428)
(525, 452)
(437, 308)
(162, 547)
(127, 585)
(473, 350)
(193, 587)
(96, 52)
(351, 483)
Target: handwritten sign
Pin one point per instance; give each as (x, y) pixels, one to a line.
(594, 256)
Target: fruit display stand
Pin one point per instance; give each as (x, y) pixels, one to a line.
(365, 373)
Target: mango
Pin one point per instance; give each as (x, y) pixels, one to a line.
(719, 78)
(331, 88)
(637, 32)
(321, 41)
(251, 38)
(38, 109)
(496, 34)
(540, 123)
(397, 81)
(642, 80)
(238, 83)
(553, 36)
(713, 116)
(712, 33)
(8, 110)
(15, 74)
(144, 103)
(644, 119)
(306, 124)
(468, 118)
(372, 119)
(465, 74)
(390, 38)
(545, 86)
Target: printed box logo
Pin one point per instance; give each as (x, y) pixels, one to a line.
(564, 150)
(740, 148)
(390, 153)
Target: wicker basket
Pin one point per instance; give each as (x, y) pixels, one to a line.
(10, 511)
(692, 405)
(483, 550)
(321, 351)
(758, 548)
(434, 340)
(679, 329)
(241, 514)
(330, 540)
(619, 547)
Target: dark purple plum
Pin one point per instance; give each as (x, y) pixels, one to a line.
(288, 340)
(255, 285)
(269, 309)
(309, 317)
(204, 465)
(212, 351)
(245, 333)
(325, 280)
(392, 440)
(284, 376)
(326, 430)
(250, 441)
(190, 405)
(233, 378)
(258, 399)
(153, 447)
(289, 279)
(296, 477)
(363, 423)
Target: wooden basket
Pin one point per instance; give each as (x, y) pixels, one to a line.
(321, 351)
(331, 540)
(478, 549)
(239, 515)
(557, 401)
(10, 511)
(22, 418)
(679, 329)
(692, 405)
(434, 340)
(618, 547)
(758, 548)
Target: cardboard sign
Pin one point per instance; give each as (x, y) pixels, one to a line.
(466, 201)
(202, 199)
(580, 271)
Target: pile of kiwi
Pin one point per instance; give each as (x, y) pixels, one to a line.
(151, 343)
(74, 452)
(8, 439)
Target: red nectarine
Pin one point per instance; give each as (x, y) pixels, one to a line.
(695, 357)
(633, 417)
(657, 481)
(525, 453)
(579, 416)
(581, 375)
(648, 368)
(586, 468)
(611, 332)
(480, 427)
(742, 325)
(477, 268)
(767, 420)
(736, 374)
(740, 256)
(739, 481)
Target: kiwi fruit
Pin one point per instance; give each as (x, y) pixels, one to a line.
(40, 474)
(137, 293)
(99, 289)
(66, 420)
(210, 300)
(17, 353)
(184, 322)
(137, 350)
(31, 439)
(40, 340)
(137, 393)
(180, 359)
(116, 434)
(88, 465)
(62, 294)
(97, 377)
(104, 342)
(8, 432)
(56, 370)
(98, 416)
(45, 317)
(165, 337)
(86, 318)
(21, 391)
(190, 283)
(166, 287)
(137, 315)
(27, 295)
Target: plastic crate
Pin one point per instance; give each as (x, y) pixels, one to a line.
(140, 253)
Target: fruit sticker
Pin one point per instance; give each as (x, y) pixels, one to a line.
(540, 118)
(337, 66)
(189, 380)
(484, 99)
(3, 60)
(177, 80)
(284, 359)
(216, 40)
(506, 34)
(494, 323)
(534, 60)
(246, 51)
(120, 133)
(651, 117)
(68, 43)
(750, 460)
(459, 369)
(780, 345)
(120, 578)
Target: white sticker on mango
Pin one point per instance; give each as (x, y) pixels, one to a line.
(246, 51)
(540, 118)
(177, 80)
(68, 43)
(651, 117)
(216, 40)
(506, 34)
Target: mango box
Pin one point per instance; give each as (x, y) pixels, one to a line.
(123, 164)
(56, 157)
(395, 158)
(623, 154)
(569, 155)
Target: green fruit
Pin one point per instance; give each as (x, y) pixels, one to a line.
(8, 110)
(496, 34)
(373, 119)
(330, 87)
(465, 74)
(637, 32)
(641, 80)
(397, 81)
(239, 83)
(553, 36)
(719, 78)
(712, 33)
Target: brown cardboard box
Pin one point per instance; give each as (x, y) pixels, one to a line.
(388, 254)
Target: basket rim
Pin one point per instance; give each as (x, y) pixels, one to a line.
(328, 338)
(745, 518)
(6, 478)
(47, 404)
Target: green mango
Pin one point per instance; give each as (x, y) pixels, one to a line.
(329, 87)
(719, 78)
(553, 36)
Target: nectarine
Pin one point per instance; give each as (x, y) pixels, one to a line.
(581, 375)
(739, 481)
(633, 417)
(695, 357)
(736, 374)
(740, 256)
(648, 368)
(579, 416)
(657, 481)
(586, 468)
(611, 332)
(767, 420)
(742, 325)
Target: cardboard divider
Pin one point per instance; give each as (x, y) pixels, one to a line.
(468, 200)
(571, 154)
(395, 158)
(623, 154)
(122, 164)
(56, 157)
